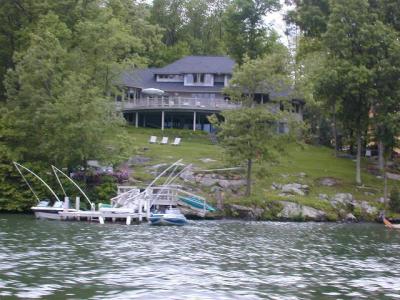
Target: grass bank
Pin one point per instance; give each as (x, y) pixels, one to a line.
(303, 164)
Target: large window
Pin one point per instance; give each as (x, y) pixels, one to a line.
(199, 79)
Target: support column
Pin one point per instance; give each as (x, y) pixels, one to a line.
(194, 121)
(162, 119)
(137, 120)
(144, 120)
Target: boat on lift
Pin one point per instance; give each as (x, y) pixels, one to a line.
(45, 208)
(171, 216)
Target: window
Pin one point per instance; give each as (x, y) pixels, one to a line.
(189, 79)
(198, 78)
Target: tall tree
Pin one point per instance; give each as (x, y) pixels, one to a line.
(248, 134)
(349, 39)
(245, 30)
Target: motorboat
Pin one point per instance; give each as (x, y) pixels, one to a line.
(43, 210)
(171, 216)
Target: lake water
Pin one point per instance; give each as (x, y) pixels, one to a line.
(204, 260)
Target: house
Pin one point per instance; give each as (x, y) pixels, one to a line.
(181, 94)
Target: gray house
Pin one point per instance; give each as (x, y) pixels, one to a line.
(181, 94)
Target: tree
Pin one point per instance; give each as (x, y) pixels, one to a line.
(268, 75)
(248, 134)
(245, 30)
(57, 94)
(348, 40)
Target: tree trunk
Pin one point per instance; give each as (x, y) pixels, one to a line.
(248, 184)
(358, 160)
(335, 129)
(381, 160)
(385, 186)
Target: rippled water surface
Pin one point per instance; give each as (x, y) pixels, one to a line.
(204, 260)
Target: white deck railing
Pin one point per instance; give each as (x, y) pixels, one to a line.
(177, 103)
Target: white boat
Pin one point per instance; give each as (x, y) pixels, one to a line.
(171, 216)
(45, 211)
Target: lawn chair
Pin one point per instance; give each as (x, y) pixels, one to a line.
(176, 142)
(153, 140)
(164, 141)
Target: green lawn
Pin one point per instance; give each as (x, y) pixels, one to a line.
(316, 162)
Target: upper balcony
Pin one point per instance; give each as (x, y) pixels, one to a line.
(176, 103)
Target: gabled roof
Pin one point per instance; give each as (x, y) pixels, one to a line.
(145, 78)
(199, 64)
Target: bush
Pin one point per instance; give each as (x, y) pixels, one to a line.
(394, 202)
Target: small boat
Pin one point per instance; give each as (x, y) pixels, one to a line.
(172, 216)
(388, 224)
(45, 211)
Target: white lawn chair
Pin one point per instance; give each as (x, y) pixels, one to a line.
(176, 142)
(164, 141)
(153, 139)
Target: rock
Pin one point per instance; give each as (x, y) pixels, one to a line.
(293, 210)
(276, 186)
(207, 160)
(342, 199)
(302, 174)
(369, 193)
(244, 212)
(367, 208)
(323, 196)
(350, 218)
(381, 200)
(159, 166)
(206, 180)
(187, 175)
(295, 188)
(328, 181)
(233, 184)
(138, 160)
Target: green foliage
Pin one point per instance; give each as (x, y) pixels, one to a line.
(267, 75)
(248, 134)
(246, 33)
(395, 200)
(103, 192)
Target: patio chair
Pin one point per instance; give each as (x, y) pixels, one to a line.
(153, 139)
(176, 142)
(164, 141)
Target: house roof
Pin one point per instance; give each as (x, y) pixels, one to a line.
(145, 78)
(199, 64)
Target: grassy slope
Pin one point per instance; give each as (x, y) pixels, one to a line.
(316, 162)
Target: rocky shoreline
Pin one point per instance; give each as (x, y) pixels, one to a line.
(226, 191)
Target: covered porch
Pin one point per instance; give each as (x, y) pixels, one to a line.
(193, 120)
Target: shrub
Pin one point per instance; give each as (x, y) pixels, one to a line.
(394, 202)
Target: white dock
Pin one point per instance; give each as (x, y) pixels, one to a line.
(101, 216)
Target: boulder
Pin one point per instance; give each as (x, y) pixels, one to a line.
(138, 160)
(233, 184)
(295, 188)
(245, 212)
(293, 210)
(342, 199)
(323, 197)
(187, 175)
(206, 180)
(207, 160)
(367, 208)
(328, 181)
(350, 218)
(276, 186)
